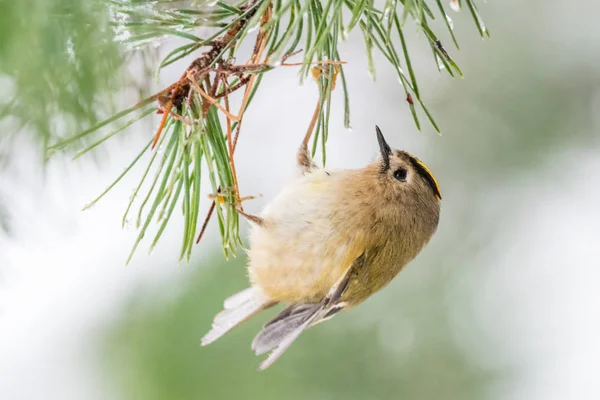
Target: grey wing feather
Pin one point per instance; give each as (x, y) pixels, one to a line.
(281, 326)
(286, 327)
(288, 340)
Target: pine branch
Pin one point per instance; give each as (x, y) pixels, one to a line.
(191, 135)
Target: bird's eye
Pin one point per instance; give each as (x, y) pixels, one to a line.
(400, 174)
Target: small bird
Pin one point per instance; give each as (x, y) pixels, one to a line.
(328, 241)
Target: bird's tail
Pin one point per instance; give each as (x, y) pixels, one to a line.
(237, 309)
(284, 329)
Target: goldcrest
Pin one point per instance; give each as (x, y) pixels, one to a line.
(330, 240)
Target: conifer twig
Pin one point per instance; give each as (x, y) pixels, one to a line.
(198, 133)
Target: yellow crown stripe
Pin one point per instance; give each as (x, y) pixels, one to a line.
(428, 171)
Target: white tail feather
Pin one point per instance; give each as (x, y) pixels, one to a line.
(239, 298)
(237, 309)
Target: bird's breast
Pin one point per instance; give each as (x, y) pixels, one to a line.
(299, 254)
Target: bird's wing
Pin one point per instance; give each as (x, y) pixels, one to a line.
(284, 329)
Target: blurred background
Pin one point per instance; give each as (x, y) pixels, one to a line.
(502, 304)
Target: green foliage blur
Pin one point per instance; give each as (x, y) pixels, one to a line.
(503, 126)
(154, 351)
(58, 61)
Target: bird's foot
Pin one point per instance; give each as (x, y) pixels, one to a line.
(223, 194)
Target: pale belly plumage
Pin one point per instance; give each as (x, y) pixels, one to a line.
(296, 258)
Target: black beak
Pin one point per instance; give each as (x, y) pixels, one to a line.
(385, 149)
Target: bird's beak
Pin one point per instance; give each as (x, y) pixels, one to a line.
(385, 149)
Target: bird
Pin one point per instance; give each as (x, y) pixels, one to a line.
(328, 241)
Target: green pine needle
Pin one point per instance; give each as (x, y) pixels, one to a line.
(196, 142)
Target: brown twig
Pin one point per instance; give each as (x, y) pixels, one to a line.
(317, 73)
(198, 77)
(312, 124)
(206, 220)
(222, 72)
(182, 119)
(259, 47)
(210, 99)
(243, 81)
(198, 70)
(163, 121)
